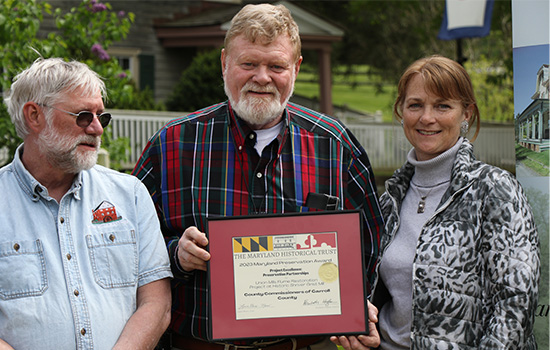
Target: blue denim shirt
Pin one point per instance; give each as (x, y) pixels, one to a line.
(69, 272)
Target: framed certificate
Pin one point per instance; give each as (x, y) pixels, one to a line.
(287, 275)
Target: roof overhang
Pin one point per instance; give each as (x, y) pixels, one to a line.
(207, 28)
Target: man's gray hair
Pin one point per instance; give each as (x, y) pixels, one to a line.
(47, 82)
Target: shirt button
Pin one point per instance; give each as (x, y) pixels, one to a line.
(259, 175)
(61, 220)
(251, 136)
(240, 148)
(112, 237)
(83, 331)
(76, 293)
(69, 256)
(16, 246)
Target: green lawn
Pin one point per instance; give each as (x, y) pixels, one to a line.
(353, 91)
(537, 161)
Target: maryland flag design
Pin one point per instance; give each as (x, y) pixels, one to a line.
(252, 244)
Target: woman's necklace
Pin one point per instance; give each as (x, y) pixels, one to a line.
(422, 201)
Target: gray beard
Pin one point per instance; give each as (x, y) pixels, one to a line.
(61, 151)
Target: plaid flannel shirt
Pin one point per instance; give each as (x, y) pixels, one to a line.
(205, 165)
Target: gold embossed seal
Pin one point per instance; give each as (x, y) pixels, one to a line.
(328, 272)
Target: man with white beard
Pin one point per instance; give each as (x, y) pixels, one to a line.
(82, 259)
(255, 153)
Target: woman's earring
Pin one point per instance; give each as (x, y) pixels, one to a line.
(464, 126)
(401, 122)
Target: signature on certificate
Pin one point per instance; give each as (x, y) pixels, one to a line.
(320, 302)
(252, 306)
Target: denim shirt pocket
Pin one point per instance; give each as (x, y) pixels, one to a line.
(114, 256)
(23, 269)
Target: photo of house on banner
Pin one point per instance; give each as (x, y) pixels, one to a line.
(531, 111)
(531, 49)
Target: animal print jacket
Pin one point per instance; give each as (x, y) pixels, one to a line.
(477, 266)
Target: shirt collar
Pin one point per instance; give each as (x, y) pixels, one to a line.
(241, 131)
(31, 186)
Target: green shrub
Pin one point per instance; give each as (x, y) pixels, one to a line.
(200, 85)
(9, 138)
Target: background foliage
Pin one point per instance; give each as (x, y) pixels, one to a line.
(381, 37)
(84, 34)
(387, 36)
(200, 85)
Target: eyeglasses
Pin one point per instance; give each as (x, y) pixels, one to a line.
(85, 118)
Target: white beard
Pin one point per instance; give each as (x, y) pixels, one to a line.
(62, 151)
(258, 111)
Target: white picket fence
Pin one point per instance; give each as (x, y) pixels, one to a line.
(138, 127)
(385, 143)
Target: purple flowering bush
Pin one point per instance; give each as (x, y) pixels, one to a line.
(87, 31)
(98, 50)
(96, 6)
(84, 33)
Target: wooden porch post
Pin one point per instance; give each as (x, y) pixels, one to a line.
(325, 81)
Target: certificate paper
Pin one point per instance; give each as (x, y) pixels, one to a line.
(286, 275)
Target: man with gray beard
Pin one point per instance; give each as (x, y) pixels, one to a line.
(255, 153)
(82, 258)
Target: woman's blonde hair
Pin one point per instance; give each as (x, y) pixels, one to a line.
(442, 77)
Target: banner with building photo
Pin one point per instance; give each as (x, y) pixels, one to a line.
(531, 45)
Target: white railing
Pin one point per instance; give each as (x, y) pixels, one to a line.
(385, 143)
(138, 127)
(387, 146)
(4, 155)
(495, 145)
